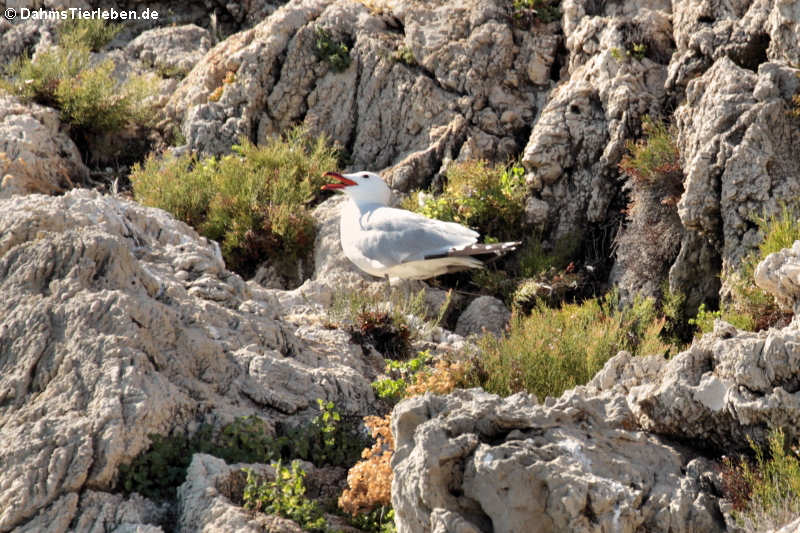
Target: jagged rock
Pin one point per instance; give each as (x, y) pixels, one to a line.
(577, 142)
(118, 321)
(734, 137)
(470, 84)
(779, 274)
(36, 154)
(727, 387)
(171, 50)
(471, 462)
(485, 314)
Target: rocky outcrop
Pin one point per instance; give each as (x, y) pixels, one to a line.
(485, 314)
(36, 153)
(779, 274)
(734, 137)
(171, 50)
(472, 462)
(118, 321)
(424, 84)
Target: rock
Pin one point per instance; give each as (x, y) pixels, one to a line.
(578, 140)
(728, 387)
(737, 162)
(172, 51)
(471, 461)
(36, 154)
(469, 87)
(779, 274)
(118, 321)
(485, 314)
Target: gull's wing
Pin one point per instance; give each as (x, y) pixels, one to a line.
(393, 236)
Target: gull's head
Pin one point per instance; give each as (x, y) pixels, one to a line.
(363, 187)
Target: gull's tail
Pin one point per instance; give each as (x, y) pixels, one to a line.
(491, 251)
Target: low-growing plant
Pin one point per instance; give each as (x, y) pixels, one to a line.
(87, 95)
(370, 481)
(284, 496)
(326, 440)
(253, 202)
(765, 494)
(379, 329)
(335, 53)
(653, 157)
(704, 320)
(527, 11)
(93, 33)
(486, 198)
(552, 350)
(405, 55)
(401, 373)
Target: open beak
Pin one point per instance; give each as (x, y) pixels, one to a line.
(333, 186)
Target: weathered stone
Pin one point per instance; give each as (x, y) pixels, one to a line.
(485, 314)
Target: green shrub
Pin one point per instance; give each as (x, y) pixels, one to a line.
(401, 374)
(379, 520)
(527, 11)
(704, 320)
(405, 55)
(253, 202)
(87, 95)
(766, 494)
(552, 350)
(89, 32)
(748, 301)
(158, 471)
(489, 199)
(284, 496)
(326, 440)
(654, 156)
(335, 53)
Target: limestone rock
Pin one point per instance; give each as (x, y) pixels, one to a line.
(779, 274)
(485, 314)
(170, 50)
(728, 386)
(471, 462)
(36, 154)
(118, 321)
(734, 139)
(579, 138)
(470, 85)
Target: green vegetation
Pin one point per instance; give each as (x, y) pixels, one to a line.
(653, 157)
(157, 472)
(402, 373)
(526, 11)
(405, 55)
(486, 198)
(379, 520)
(253, 202)
(552, 350)
(88, 96)
(284, 496)
(765, 495)
(637, 51)
(335, 53)
(89, 32)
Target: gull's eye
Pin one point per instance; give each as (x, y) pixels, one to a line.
(365, 176)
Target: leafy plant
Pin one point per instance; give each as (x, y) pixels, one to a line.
(88, 96)
(90, 32)
(766, 494)
(552, 350)
(284, 496)
(402, 372)
(328, 439)
(335, 53)
(253, 202)
(704, 320)
(404, 55)
(379, 329)
(654, 156)
(526, 11)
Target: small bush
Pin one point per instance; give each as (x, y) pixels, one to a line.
(749, 301)
(404, 55)
(253, 202)
(401, 373)
(87, 95)
(89, 32)
(370, 481)
(284, 496)
(528, 11)
(654, 157)
(335, 53)
(378, 329)
(552, 350)
(486, 198)
(766, 494)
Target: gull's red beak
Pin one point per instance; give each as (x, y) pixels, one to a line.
(333, 186)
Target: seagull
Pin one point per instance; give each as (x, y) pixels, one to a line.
(394, 243)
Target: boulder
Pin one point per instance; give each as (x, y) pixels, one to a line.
(36, 153)
(117, 322)
(172, 51)
(471, 462)
(779, 274)
(485, 314)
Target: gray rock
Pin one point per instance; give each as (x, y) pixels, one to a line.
(36, 154)
(779, 274)
(170, 50)
(733, 137)
(118, 321)
(485, 314)
(471, 461)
